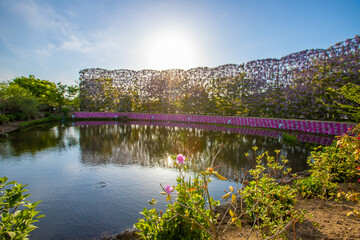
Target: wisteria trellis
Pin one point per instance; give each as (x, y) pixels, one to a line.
(319, 127)
(288, 87)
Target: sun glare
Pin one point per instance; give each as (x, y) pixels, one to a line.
(169, 50)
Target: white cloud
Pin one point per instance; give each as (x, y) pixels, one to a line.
(75, 44)
(45, 51)
(54, 32)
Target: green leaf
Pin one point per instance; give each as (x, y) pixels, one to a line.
(238, 223)
(11, 234)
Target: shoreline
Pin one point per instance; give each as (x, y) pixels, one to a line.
(10, 127)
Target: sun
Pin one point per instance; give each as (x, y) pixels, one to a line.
(170, 50)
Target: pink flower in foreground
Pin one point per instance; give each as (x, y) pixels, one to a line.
(180, 158)
(168, 189)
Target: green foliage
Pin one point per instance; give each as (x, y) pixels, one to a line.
(51, 118)
(349, 92)
(19, 116)
(28, 107)
(331, 164)
(338, 160)
(315, 187)
(271, 204)
(17, 214)
(16, 99)
(171, 225)
(11, 117)
(74, 103)
(4, 119)
(46, 92)
(121, 118)
(65, 111)
(49, 94)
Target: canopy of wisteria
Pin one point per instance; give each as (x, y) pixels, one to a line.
(312, 84)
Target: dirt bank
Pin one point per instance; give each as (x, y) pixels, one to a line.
(10, 126)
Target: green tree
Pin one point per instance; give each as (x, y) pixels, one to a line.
(47, 93)
(16, 99)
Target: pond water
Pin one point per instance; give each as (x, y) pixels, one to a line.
(93, 180)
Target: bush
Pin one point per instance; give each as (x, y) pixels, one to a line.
(4, 119)
(340, 160)
(315, 186)
(28, 106)
(336, 163)
(11, 117)
(270, 204)
(171, 225)
(65, 111)
(18, 100)
(17, 214)
(19, 116)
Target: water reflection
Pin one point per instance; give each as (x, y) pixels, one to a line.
(38, 139)
(151, 144)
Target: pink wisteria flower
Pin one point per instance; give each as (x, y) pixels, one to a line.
(168, 189)
(180, 158)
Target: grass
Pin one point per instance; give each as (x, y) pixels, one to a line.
(51, 118)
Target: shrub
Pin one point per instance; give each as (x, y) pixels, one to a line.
(4, 119)
(17, 214)
(19, 116)
(270, 204)
(340, 159)
(171, 225)
(315, 186)
(28, 106)
(11, 117)
(65, 111)
(330, 164)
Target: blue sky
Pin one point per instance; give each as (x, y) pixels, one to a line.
(54, 40)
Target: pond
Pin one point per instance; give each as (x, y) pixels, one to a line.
(94, 178)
